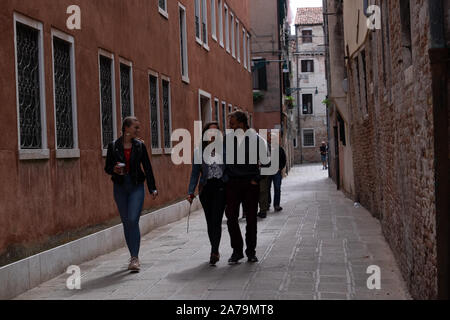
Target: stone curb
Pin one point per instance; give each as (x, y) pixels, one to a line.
(23, 275)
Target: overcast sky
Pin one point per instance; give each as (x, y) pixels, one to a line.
(302, 4)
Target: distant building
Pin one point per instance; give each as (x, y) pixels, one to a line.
(309, 87)
(271, 71)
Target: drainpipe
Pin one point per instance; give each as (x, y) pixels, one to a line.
(439, 59)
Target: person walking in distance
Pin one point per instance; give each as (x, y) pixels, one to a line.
(242, 186)
(128, 163)
(323, 155)
(278, 177)
(211, 190)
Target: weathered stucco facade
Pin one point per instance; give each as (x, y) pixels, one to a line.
(48, 201)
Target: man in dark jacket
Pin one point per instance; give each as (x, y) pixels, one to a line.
(278, 177)
(243, 176)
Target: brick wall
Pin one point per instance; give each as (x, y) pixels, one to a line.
(393, 146)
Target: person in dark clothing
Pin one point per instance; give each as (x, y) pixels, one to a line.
(212, 194)
(277, 178)
(123, 162)
(242, 186)
(323, 155)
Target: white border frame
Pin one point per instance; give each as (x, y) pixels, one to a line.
(233, 38)
(202, 93)
(249, 54)
(44, 152)
(213, 20)
(129, 64)
(184, 78)
(197, 3)
(227, 27)
(75, 151)
(220, 21)
(217, 110)
(158, 150)
(167, 150)
(223, 109)
(204, 16)
(164, 13)
(110, 56)
(244, 47)
(308, 91)
(238, 41)
(303, 137)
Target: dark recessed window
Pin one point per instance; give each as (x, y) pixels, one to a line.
(307, 65)
(307, 36)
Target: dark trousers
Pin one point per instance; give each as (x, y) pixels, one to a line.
(212, 198)
(242, 191)
(276, 179)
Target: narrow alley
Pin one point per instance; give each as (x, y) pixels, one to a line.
(319, 247)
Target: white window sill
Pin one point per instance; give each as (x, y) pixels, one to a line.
(309, 147)
(221, 44)
(168, 150)
(239, 60)
(156, 152)
(206, 47)
(198, 41)
(165, 14)
(228, 50)
(67, 153)
(185, 79)
(40, 154)
(214, 37)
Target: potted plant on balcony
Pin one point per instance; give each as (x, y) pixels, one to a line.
(289, 102)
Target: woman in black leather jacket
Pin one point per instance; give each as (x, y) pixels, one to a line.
(125, 160)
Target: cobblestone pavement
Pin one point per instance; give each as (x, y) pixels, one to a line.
(318, 247)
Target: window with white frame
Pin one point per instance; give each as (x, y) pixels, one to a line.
(167, 114)
(244, 48)
(230, 109)
(162, 8)
(64, 89)
(205, 106)
(233, 44)
(126, 89)
(155, 120)
(248, 53)
(307, 103)
(107, 99)
(224, 115)
(197, 21)
(220, 20)
(217, 110)
(183, 44)
(308, 138)
(238, 44)
(204, 23)
(227, 29)
(213, 20)
(30, 89)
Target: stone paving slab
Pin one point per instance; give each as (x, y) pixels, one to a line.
(318, 247)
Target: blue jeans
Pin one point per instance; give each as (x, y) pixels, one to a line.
(277, 178)
(130, 199)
